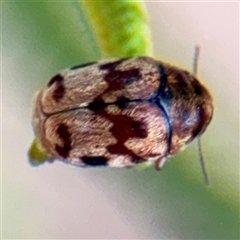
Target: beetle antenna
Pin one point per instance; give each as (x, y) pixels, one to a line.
(202, 161)
(195, 59)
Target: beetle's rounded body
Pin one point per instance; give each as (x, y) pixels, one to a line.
(119, 113)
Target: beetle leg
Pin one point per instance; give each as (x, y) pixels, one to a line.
(159, 163)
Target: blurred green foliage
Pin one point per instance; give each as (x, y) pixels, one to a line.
(120, 27)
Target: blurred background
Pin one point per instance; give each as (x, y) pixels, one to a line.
(59, 201)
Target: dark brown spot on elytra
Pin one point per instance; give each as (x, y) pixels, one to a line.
(124, 128)
(63, 151)
(63, 133)
(59, 90)
(119, 79)
(94, 161)
(56, 79)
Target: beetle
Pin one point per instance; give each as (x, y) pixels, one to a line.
(119, 113)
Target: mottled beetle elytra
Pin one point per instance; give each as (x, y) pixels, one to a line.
(119, 113)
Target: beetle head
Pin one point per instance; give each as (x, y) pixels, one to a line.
(188, 106)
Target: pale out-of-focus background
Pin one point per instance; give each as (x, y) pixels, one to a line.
(58, 201)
